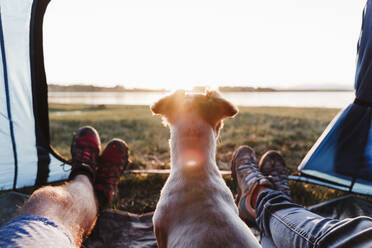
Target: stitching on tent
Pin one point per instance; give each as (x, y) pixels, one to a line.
(6, 82)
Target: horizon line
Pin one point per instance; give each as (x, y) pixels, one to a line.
(333, 87)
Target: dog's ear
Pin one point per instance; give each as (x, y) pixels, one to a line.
(167, 105)
(222, 108)
(214, 109)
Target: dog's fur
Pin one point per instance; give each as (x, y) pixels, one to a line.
(196, 208)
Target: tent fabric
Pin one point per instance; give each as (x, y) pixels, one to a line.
(133, 230)
(26, 158)
(342, 156)
(115, 228)
(343, 207)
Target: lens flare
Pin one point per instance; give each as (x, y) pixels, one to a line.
(191, 163)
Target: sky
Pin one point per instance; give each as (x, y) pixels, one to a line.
(176, 44)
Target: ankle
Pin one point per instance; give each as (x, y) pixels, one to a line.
(83, 178)
(256, 193)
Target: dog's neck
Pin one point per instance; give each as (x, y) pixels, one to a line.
(193, 145)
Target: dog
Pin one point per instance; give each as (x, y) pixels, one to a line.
(196, 208)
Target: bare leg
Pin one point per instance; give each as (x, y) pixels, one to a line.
(72, 205)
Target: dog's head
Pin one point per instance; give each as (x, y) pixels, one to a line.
(210, 107)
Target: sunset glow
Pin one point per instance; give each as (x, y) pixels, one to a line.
(191, 163)
(181, 44)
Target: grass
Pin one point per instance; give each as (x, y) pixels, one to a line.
(293, 131)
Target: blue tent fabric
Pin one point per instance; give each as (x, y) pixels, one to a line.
(26, 157)
(342, 156)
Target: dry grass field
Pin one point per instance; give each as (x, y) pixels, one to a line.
(292, 131)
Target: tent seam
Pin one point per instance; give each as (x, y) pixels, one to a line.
(6, 82)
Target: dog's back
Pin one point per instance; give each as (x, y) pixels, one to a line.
(201, 214)
(196, 208)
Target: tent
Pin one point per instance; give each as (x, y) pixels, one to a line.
(26, 158)
(342, 156)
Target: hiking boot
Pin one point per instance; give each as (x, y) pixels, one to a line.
(112, 163)
(272, 165)
(247, 178)
(85, 149)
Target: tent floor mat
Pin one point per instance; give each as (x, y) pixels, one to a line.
(117, 228)
(348, 206)
(9, 204)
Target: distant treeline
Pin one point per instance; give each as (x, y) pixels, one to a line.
(244, 89)
(92, 88)
(119, 88)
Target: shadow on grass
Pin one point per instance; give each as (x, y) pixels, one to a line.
(292, 131)
(140, 193)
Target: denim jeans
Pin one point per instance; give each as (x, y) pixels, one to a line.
(34, 231)
(290, 225)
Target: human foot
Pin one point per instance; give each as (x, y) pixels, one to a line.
(272, 165)
(111, 165)
(85, 149)
(248, 179)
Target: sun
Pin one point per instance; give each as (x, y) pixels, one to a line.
(190, 86)
(177, 86)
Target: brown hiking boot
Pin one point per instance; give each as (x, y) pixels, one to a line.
(247, 178)
(112, 163)
(272, 165)
(85, 149)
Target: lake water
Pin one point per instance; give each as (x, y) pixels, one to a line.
(288, 99)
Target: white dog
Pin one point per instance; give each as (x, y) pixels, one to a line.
(196, 208)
